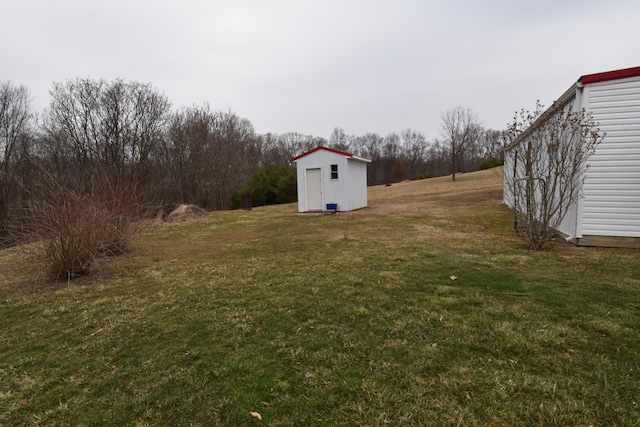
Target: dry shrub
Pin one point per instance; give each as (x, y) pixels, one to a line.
(75, 228)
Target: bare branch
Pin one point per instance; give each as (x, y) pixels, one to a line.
(550, 155)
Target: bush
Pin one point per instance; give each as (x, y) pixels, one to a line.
(269, 185)
(74, 229)
(490, 163)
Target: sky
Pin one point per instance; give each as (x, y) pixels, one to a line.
(309, 66)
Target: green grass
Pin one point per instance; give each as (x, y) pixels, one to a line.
(347, 319)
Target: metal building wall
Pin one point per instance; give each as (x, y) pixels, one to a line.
(611, 204)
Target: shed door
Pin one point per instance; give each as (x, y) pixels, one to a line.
(314, 189)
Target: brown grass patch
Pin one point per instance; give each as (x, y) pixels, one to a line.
(435, 196)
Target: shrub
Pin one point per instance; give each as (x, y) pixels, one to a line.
(269, 185)
(490, 163)
(75, 228)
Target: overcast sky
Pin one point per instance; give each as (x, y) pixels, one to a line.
(309, 66)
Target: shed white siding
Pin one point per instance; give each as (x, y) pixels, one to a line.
(348, 190)
(356, 184)
(611, 205)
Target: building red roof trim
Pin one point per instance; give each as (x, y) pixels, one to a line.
(610, 75)
(322, 147)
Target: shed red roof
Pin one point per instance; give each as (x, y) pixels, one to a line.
(333, 150)
(610, 75)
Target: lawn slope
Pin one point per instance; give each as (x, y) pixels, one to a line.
(346, 319)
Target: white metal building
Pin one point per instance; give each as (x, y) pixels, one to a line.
(330, 179)
(608, 214)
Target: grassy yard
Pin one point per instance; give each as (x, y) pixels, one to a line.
(348, 319)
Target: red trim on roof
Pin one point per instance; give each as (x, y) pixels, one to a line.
(610, 75)
(322, 147)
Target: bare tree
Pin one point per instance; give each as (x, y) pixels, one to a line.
(459, 128)
(236, 156)
(437, 162)
(15, 132)
(271, 152)
(340, 140)
(279, 149)
(493, 142)
(415, 152)
(550, 152)
(209, 155)
(106, 131)
(370, 145)
(391, 155)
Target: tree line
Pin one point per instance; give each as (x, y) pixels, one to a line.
(123, 140)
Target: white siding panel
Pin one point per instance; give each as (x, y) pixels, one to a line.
(620, 113)
(620, 162)
(612, 185)
(615, 86)
(620, 144)
(615, 176)
(621, 125)
(603, 206)
(356, 184)
(605, 104)
(507, 193)
(568, 225)
(616, 116)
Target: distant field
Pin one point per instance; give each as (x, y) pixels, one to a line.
(422, 309)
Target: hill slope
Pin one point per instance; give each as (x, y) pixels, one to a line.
(422, 309)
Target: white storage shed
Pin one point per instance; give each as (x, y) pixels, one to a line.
(608, 213)
(331, 180)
